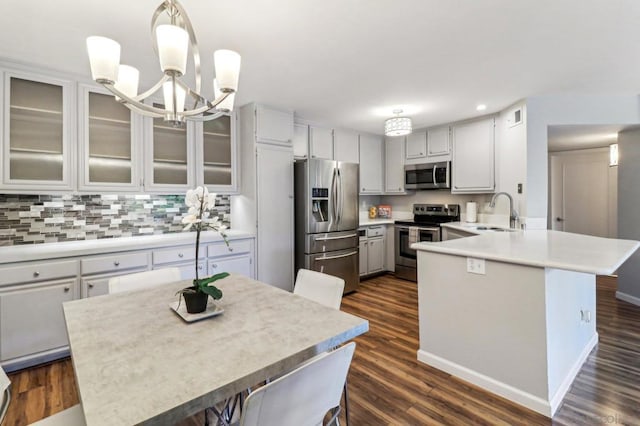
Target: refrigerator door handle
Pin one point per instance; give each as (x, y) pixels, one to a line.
(336, 238)
(336, 257)
(340, 196)
(334, 196)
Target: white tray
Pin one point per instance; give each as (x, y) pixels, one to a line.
(211, 311)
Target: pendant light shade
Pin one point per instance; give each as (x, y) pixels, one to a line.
(227, 63)
(227, 104)
(104, 58)
(173, 46)
(397, 126)
(127, 82)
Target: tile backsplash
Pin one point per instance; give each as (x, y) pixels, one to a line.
(35, 219)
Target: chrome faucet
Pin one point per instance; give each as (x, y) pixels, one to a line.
(513, 215)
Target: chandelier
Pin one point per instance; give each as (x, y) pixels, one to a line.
(397, 126)
(173, 36)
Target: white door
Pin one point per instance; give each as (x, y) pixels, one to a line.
(438, 143)
(375, 255)
(363, 257)
(371, 164)
(473, 157)
(236, 265)
(346, 146)
(275, 215)
(583, 193)
(416, 145)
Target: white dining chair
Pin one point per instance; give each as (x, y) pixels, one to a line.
(304, 396)
(72, 416)
(142, 280)
(321, 288)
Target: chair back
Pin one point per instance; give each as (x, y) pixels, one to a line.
(321, 288)
(303, 396)
(5, 398)
(142, 280)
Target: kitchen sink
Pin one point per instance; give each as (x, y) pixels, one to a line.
(494, 229)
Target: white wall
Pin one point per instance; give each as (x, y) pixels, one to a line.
(629, 212)
(544, 111)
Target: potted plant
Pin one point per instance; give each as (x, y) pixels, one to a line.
(200, 202)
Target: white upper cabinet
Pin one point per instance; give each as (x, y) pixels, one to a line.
(38, 134)
(394, 165)
(300, 140)
(371, 164)
(346, 146)
(473, 160)
(169, 156)
(417, 145)
(274, 126)
(108, 142)
(216, 154)
(320, 143)
(438, 144)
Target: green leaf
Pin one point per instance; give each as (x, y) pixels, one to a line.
(212, 291)
(216, 277)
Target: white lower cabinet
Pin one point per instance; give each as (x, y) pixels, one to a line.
(32, 326)
(375, 255)
(242, 265)
(363, 257)
(372, 250)
(31, 318)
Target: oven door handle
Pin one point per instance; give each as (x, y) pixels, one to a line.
(420, 228)
(340, 256)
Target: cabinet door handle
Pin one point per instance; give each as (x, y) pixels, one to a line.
(180, 255)
(36, 274)
(66, 289)
(90, 285)
(215, 265)
(200, 267)
(116, 263)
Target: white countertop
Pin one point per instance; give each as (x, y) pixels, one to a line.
(541, 248)
(21, 253)
(472, 227)
(368, 222)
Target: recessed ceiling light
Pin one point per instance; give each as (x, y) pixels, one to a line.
(481, 107)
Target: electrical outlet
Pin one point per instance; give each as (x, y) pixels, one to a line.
(519, 188)
(475, 266)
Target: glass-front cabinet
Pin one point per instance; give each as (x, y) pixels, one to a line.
(37, 132)
(109, 140)
(169, 157)
(216, 154)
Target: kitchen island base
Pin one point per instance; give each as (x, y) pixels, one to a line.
(522, 332)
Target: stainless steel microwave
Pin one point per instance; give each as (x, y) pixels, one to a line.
(428, 175)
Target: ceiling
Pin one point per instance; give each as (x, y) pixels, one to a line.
(348, 63)
(572, 137)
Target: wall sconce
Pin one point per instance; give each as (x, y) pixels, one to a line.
(613, 154)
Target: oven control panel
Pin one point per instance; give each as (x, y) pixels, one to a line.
(436, 209)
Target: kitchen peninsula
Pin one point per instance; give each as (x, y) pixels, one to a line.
(513, 312)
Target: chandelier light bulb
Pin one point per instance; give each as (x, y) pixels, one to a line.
(227, 63)
(173, 47)
(127, 82)
(104, 58)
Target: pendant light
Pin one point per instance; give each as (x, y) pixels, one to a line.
(397, 126)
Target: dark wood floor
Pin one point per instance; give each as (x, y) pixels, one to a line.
(389, 387)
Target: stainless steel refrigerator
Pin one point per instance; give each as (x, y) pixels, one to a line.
(326, 211)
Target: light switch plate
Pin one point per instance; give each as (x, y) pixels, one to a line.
(475, 266)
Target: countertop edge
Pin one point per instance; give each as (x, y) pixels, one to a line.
(34, 252)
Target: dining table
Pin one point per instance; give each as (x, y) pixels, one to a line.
(137, 361)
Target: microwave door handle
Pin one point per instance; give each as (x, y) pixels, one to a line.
(435, 182)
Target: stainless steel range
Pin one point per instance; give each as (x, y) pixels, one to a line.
(424, 227)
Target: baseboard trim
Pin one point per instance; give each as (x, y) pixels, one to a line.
(557, 398)
(518, 396)
(628, 298)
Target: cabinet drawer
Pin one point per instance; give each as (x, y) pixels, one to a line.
(375, 231)
(178, 254)
(237, 247)
(113, 263)
(31, 272)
